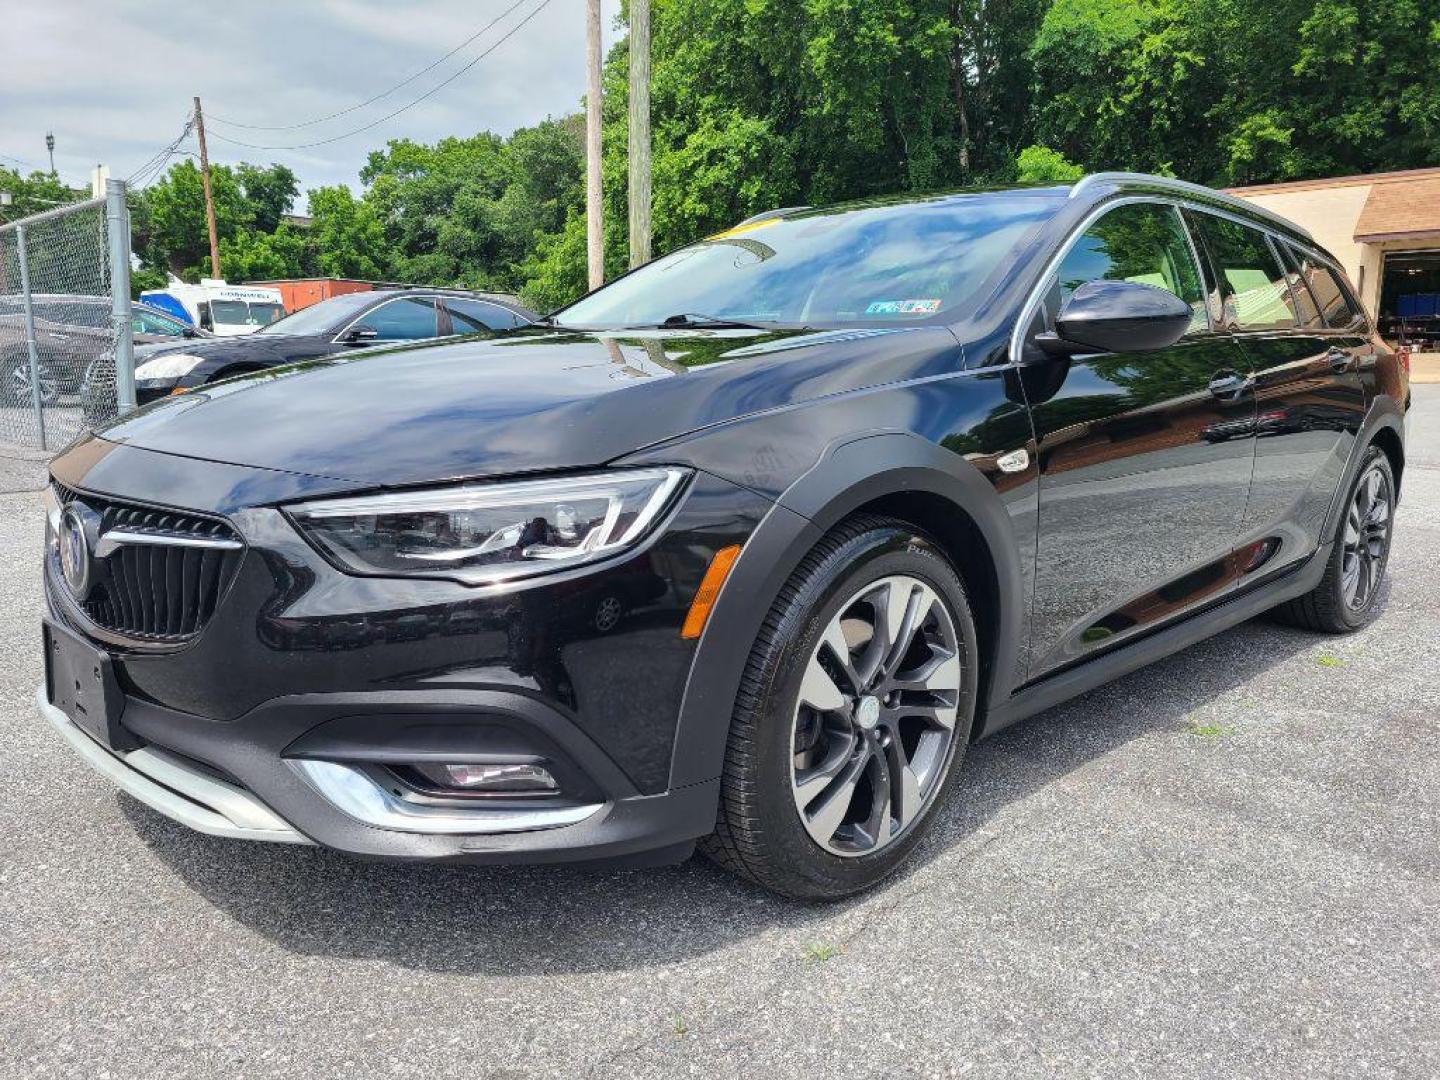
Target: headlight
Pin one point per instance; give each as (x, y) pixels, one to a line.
(170, 366)
(485, 533)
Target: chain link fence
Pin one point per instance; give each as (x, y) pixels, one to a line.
(65, 330)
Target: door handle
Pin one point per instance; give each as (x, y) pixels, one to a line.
(1228, 384)
(1339, 359)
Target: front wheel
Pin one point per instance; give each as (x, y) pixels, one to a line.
(855, 707)
(21, 392)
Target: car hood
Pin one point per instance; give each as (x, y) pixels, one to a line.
(533, 400)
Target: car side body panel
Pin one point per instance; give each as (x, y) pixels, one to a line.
(940, 440)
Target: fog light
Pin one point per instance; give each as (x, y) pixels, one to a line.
(507, 778)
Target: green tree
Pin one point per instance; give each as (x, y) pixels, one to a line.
(35, 193)
(250, 255)
(344, 238)
(1039, 164)
(248, 200)
(269, 192)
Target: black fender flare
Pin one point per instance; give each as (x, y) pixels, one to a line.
(1384, 413)
(849, 476)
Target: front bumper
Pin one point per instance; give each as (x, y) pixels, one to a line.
(175, 788)
(306, 681)
(300, 808)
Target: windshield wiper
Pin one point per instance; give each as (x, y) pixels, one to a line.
(690, 320)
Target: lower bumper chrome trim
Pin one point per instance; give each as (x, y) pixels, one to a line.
(171, 786)
(356, 794)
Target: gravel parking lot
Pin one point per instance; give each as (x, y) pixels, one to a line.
(1225, 865)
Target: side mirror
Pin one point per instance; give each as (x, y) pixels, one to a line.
(358, 335)
(189, 332)
(1117, 316)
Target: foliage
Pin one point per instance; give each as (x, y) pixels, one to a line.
(764, 103)
(1040, 164)
(345, 237)
(34, 194)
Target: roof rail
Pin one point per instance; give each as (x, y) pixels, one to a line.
(768, 214)
(1169, 183)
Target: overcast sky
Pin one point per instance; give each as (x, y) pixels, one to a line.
(113, 79)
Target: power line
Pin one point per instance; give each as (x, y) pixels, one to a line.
(20, 161)
(391, 115)
(153, 166)
(369, 101)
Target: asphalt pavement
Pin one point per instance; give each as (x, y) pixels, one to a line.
(1225, 865)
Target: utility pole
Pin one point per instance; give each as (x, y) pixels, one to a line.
(209, 200)
(639, 132)
(594, 213)
(50, 145)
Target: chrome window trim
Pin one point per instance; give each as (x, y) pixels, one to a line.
(1182, 188)
(1052, 265)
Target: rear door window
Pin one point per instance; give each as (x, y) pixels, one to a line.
(476, 316)
(1305, 306)
(1253, 285)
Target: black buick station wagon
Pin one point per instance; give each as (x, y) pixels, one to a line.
(742, 550)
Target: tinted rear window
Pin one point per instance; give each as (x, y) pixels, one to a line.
(1336, 310)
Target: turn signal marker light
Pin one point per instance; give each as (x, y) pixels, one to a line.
(705, 596)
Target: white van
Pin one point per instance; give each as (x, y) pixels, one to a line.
(224, 310)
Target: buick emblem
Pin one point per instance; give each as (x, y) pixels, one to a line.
(74, 552)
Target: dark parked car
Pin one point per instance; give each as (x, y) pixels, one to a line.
(743, 549)
(336, 325)
(71, 333)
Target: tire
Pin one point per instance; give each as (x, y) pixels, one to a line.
(1359, 557)
(793, 751)
(20, 390)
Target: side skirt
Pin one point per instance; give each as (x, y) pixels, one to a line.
(1064, 685)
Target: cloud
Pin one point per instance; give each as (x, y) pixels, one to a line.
(114, 81)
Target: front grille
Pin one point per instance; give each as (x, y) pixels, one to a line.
(162, 584)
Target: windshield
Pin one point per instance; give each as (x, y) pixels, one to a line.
(322, 318)
(229, 312)
(865, 265)
(264, 313)
(240, 313)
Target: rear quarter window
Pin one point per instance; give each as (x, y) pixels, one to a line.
(1336, 308)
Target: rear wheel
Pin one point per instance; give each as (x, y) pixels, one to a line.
(1347, 596)
(855, 708)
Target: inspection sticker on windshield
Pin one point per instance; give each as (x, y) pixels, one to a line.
(903, 307)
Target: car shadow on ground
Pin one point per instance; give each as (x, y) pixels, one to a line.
(532, 920)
